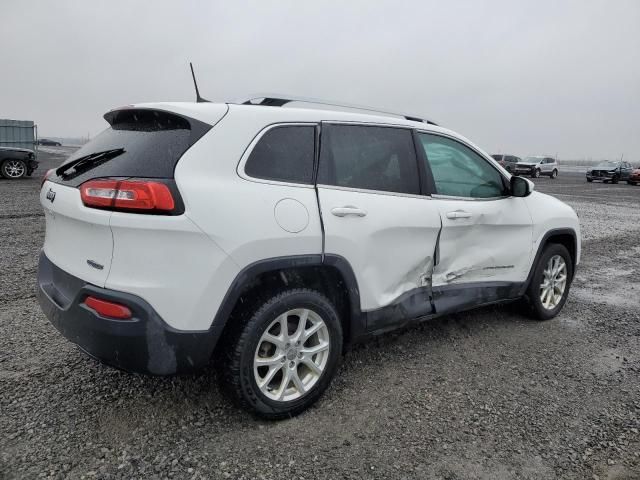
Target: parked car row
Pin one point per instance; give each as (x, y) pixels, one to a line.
(533, 166)
(614, 171)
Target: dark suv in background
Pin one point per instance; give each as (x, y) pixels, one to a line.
(507, 161)
(610, 171)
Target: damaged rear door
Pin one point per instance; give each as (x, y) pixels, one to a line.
(486, 239)
(374, 216)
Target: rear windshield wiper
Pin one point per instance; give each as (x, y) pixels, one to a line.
(92, 160)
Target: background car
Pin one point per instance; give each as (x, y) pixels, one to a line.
(610, 171)
(507, 161)
(537, 166)
(49, 143)
(634, 178)
(17, 163)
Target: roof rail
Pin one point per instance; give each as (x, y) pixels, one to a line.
(277, 100)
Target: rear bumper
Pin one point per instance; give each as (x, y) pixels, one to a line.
(144, 344)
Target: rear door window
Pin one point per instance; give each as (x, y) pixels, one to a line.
(284, 153)
(369, 158)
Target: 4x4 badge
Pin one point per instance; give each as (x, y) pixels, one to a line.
(51, 195)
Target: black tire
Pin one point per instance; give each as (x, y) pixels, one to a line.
(238, 372)
(536, 173)
(538, 311)
(554, 174)
(630, 182)
(13, 169)
(615, 179)
(589, 180)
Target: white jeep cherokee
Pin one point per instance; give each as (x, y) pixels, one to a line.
(275, 237)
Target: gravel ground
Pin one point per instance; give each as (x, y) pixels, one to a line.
(485, 394)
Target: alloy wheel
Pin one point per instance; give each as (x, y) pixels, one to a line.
(554, 282)
(14, 169)
(291, 355)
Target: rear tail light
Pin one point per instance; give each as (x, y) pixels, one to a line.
(108, 309)
(140, 195)
(46, 176)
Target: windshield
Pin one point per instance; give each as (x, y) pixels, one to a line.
(606, 165)
(530, 159)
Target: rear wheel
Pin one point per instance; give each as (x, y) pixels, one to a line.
(630, 182)
(13, 169)
(284, 357)
(549, 287)
(589, 180)
(554, 174)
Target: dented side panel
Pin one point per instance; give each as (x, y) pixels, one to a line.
(488, 240)
(390, 244)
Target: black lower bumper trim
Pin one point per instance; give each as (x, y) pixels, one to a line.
(144, 344)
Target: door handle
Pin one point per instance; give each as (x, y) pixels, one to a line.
(458, 214)
(348, 210)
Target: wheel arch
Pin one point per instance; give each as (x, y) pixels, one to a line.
(563, 236)
(331, 275)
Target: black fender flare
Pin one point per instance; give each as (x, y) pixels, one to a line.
(247, 274)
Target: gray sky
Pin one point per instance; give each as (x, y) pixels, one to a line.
(540, 76)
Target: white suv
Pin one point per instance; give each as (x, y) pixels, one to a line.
(537, 166)
(267, 239)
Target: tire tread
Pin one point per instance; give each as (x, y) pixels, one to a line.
(239, 336)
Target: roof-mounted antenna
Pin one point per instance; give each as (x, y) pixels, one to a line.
(199, 99)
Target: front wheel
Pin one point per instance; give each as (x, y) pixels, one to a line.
(536, 173)
(13, 169)
(283, 358)
(549, 287)
(615, 179)
(630, 182)
(589, 180)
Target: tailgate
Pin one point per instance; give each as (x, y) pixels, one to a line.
(78, 239)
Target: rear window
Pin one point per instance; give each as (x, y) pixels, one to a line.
(153, 141)
(284, 154)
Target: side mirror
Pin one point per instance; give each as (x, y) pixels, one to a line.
(520, 187)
